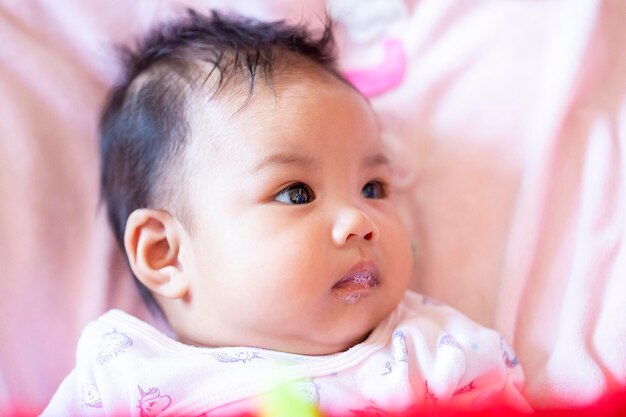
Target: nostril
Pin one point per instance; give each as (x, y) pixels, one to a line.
(368, 236)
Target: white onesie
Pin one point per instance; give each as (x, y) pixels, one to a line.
(424, 352)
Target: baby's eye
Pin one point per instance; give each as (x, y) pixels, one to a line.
(296, 194)
(374, 189)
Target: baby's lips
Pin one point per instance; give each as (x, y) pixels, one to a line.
(358, 282)
(363, 280)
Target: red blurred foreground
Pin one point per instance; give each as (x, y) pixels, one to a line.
(612, 405)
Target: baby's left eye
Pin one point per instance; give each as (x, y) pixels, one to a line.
(374, 189)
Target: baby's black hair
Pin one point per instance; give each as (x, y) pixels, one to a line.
(143, 126)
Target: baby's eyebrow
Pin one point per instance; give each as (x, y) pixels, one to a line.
(375, 160)
(283, 158)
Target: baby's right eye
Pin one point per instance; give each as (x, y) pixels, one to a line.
(297, 193)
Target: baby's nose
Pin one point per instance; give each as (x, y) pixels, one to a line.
(354, 224)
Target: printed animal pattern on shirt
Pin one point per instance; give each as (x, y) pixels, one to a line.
(510, 360)
(152, 403)
(111, 345)
(308, 390)
(242, 356)
(400, 351)
(448, 340)
(90, 396)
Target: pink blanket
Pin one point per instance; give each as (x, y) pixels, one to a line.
(506, 122)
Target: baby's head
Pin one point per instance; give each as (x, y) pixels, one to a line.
(247, 182)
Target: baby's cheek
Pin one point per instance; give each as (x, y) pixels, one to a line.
(399, 251)
(391, 225)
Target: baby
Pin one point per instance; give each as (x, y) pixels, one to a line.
(247, 183)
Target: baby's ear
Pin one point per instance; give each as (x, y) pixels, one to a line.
(152, 242)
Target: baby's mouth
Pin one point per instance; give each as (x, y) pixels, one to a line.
(357, 283)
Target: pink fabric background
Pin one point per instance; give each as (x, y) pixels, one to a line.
(507, 128)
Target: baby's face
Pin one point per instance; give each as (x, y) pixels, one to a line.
(296, 243)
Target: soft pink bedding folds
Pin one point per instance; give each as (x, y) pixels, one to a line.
(506, 122)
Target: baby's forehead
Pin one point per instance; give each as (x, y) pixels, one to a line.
(276, 109)
(217, 102)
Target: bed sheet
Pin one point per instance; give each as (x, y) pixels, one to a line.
(506, 126)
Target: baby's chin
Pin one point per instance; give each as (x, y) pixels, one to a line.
(343, 331)
(338, 339)
(323, 348)
(313, 343)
